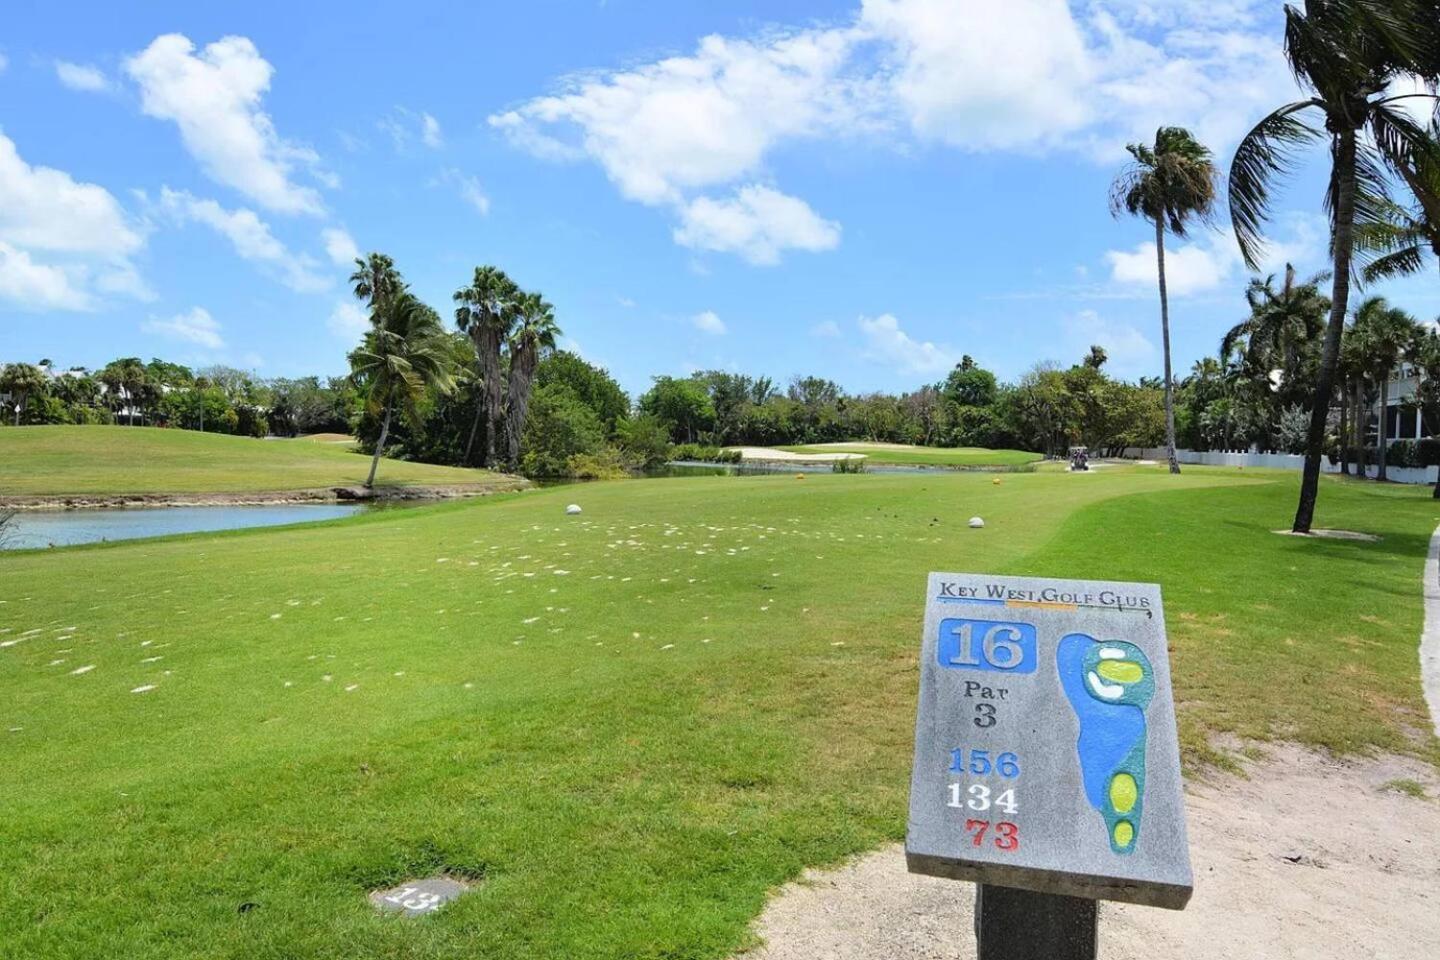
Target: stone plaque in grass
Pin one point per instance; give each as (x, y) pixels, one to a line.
(418, 897)
(1045, 749)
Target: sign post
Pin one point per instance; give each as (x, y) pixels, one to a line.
(1047, 768)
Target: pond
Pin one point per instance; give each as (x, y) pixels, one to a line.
(61, 528)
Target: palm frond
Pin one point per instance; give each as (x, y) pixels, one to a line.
(1267, 151)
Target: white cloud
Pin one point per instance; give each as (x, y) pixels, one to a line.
(467, 187)
(197, 327)
(250, 236)
(430, 132)
(709, 322)
(1130, 353)
(757, 223)
(37, 286)
(1211, 259)
(827, 329)
(339, 246)
(80, 76)
(886, 342)
(981, 75)
(215, 100)
(62, 237)
(348, 320)
(46, 209)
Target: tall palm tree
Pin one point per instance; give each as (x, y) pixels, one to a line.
(376, 281)
(1168, 184)
(1346, 53)
(486, 312)
(1385, 335)
(399, 360)
(1277, 342)
(534, 335)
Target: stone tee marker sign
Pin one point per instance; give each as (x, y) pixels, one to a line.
(1045, 751)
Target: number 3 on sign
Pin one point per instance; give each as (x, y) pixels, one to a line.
(1007, 835)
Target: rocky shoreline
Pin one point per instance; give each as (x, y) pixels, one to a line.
(343, 494)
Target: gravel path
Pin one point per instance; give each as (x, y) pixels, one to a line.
(1308, 857)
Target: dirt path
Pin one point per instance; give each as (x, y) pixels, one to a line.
(1430, 639)
(1307, 858)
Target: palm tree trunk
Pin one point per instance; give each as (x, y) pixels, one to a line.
(1344, 430)
(1357, 431)
(1334, 328)
(379, 448)
(1165, 337)
(474, 428)
(1380, 440)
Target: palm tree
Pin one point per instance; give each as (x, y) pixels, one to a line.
(1385, 335)
(20, 380)
(486, 314)
(399, 360)
(1346, 53)
(1167, 184)
(376, 281)
(1276, 343)
(126, 380)
(534, 335)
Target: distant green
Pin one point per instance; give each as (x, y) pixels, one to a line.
(630, 725)
(937, 456)
(38, 461)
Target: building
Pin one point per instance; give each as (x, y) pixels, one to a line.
(1402, 420)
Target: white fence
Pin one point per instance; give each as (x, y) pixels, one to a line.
(1279, 461)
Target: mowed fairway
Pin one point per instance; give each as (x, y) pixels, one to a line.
(627, 726)
(54, 461)
(925, 456)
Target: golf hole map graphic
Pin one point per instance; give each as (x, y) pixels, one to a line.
(1045, 750)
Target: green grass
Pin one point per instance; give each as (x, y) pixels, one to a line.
(620, 787)
(1410, 788)
(926, 456)
(42, 461)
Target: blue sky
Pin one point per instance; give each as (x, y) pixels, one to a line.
(862, 190)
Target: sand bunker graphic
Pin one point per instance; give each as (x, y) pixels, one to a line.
(1109, 685)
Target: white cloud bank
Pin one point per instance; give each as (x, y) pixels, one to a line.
(340, 247)
(976, 75)
(757, 223)
(196, 326)
(1210, 260)
(214, 98)
(62, 242)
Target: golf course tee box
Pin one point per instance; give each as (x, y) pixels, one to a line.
(1046, 756)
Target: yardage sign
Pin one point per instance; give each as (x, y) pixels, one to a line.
(1045, 748)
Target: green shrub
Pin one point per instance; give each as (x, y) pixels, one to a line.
(644, 440)
(1427, 452)
(605, 465)
(558, 427)
(848, 465)
(704, 453)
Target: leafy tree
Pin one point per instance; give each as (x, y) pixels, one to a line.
(534, 335)
(1096, 358)
(1347, 53)
(1167, 184)
(969, 385)
(558, 426)
(486, 314)
(684, 404)
(644, 440)
(21, 381)
(591, 384)
(398, 360)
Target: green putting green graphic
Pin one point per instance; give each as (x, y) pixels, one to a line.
(1109, 685)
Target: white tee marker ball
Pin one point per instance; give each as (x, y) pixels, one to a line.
(572, 510)
(976, 522)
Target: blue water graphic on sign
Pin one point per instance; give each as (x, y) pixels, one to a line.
(997, 645)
